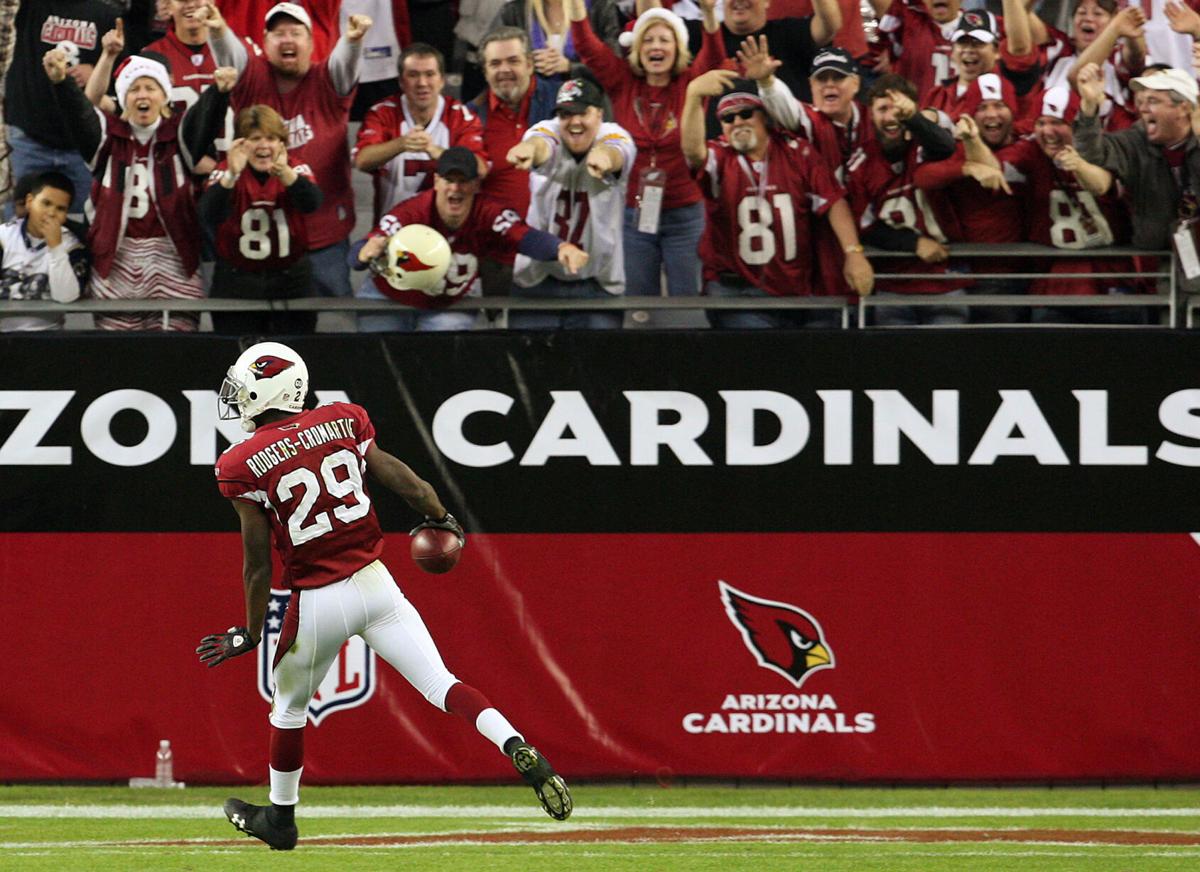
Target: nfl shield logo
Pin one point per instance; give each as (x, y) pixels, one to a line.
(349, 683)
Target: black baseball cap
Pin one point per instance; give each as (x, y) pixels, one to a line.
(835, 59)
(458, 159)
(576, 95)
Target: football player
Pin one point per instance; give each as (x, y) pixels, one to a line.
(475, 226)
(298, 480)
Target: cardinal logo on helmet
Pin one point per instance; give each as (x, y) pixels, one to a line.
(782, 637)
(269, 365)
(411, 263)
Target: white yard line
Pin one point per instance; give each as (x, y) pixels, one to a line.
(198, 812)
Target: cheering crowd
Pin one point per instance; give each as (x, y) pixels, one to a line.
(606, 148)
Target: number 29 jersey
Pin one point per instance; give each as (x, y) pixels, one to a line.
(307, 473)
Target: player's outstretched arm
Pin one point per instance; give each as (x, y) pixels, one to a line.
(256, 578)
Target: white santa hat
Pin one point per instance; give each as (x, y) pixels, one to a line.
(630, 38)
(138, 67)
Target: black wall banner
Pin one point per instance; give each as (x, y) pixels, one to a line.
(643, 431)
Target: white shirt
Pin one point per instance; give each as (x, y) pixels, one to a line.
(31, 270)
(566, 200)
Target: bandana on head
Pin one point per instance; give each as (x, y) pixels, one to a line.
(987, 87)
(1060, 102)
(137, 67)
(738, 100)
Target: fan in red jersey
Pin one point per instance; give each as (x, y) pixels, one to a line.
(893, 212)
(979, 194)
(475, 226)
(765, 188)
(402, 137)
(314, 101)
(1071, 204)
(144, 234)
(254, 207)
(299, 482)
(834, 123)
(1104, 34)
(979, 48)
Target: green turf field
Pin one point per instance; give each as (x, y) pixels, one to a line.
(613, 828)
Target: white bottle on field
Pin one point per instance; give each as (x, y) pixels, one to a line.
(164, 764)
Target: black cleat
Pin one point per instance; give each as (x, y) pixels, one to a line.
(253, 821)
(551, 790)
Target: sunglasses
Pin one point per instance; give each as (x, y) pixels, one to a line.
(744, 114)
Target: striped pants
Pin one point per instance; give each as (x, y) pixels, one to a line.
(147, 269)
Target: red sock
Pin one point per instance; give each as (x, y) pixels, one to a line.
(287, 749)
(466, 702)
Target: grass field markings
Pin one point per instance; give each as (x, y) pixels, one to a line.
(661, 834)
(197, 812)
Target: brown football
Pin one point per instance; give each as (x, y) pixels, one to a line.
(436, 550)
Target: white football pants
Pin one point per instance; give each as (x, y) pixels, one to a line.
(367, 604)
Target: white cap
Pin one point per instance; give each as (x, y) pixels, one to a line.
(650, 16)
(137, 67)
(295, 10)
(1181, 82)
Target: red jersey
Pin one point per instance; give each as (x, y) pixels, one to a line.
(263, 232)
(307, 473)
(835, 143)
(882, 191)
(981, 215)
(1062, 214)
(919, 45)
(761, 212)
(490, 230)
(191, 68)
(411, 172)
(316, 116)
(650, 114)
(503, 129)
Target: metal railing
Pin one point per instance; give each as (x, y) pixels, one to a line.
(1168, 301)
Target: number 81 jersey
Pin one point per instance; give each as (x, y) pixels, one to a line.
(263, 230)
(761, 213)
(307, 473)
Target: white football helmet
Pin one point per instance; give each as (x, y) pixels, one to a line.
(268, 375)
(417, 260)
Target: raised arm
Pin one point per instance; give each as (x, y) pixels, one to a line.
(1127, 24)
(346, 57)
(691, 124)
(1112, 151)
(112, 43)
(781, 104)
(79, 116)
(611, 71)
(227, 49)
(1017, 33)
(827, 21)
(204, 121)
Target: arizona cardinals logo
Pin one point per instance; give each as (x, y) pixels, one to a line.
(781, 637)
(409, 262)
(268, 365)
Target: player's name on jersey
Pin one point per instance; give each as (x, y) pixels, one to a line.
(310, 437)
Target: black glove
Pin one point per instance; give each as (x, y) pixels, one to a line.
(447, 523)
(218, 648)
